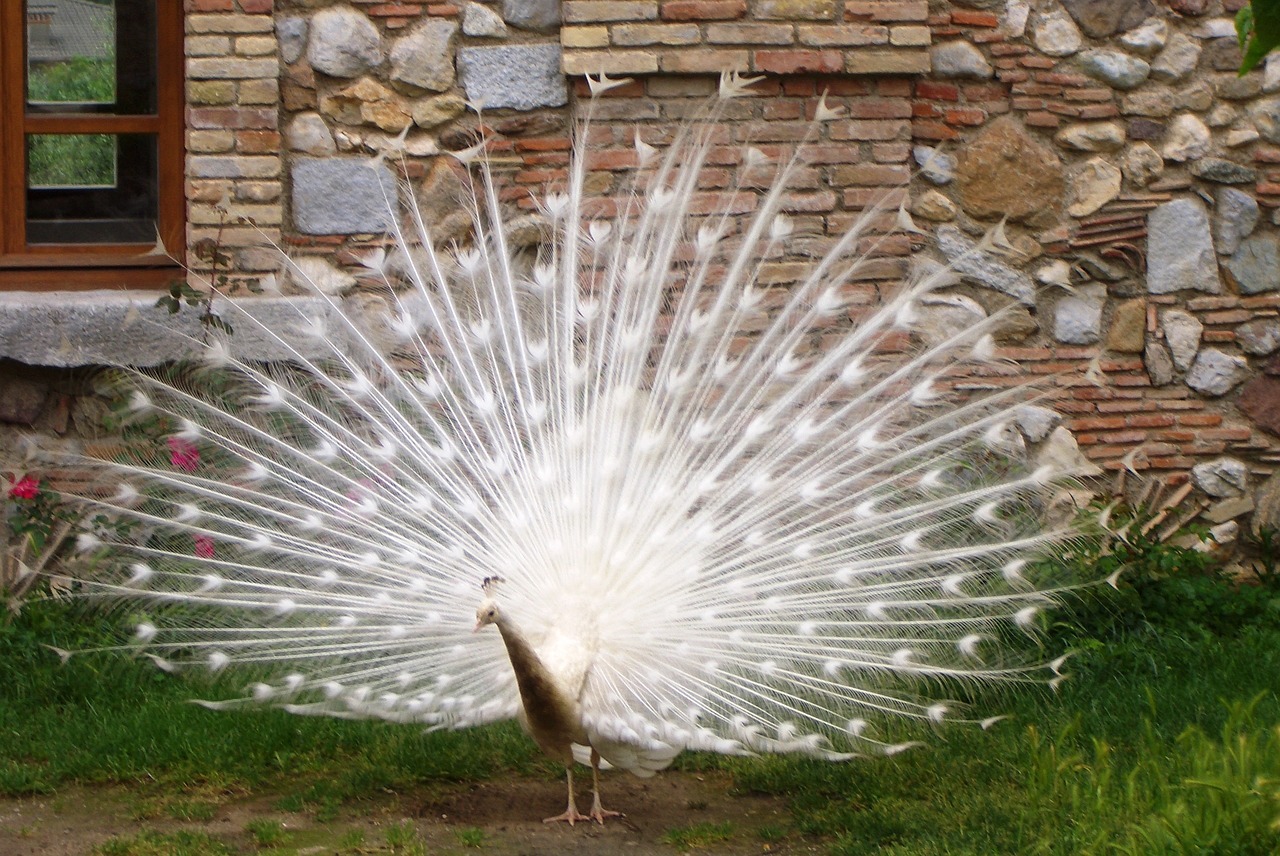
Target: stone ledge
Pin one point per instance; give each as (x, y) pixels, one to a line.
(66, 329)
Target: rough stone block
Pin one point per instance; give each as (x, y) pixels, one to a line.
(342, 196)
(521, 77)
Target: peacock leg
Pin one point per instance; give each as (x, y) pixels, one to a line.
(598, 812)
(571, 813)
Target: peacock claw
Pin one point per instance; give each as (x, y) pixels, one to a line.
(570, 816)
(599, 814)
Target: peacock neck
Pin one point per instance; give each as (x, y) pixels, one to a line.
(524, 660)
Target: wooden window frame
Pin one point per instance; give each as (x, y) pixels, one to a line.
(84, 266)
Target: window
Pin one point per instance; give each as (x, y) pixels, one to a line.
(91, 142)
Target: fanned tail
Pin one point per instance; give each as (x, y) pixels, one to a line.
(762, 515)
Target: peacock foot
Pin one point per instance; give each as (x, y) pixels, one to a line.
(570, 816)
(598, 814)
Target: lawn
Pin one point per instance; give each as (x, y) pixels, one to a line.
(1164, 739)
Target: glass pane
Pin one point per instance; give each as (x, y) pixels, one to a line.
(91, 188)
(91, 56)
(71, 160)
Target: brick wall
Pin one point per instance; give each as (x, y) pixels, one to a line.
(1129, 158)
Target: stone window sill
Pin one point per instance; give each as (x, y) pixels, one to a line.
(127, 328)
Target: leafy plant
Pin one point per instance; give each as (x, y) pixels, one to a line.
(1258, 30)
(1160, 587)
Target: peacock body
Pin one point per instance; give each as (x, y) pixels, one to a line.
(725, 518)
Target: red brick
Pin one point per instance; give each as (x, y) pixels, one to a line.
(1062, 78)
(887, 10)
(210, 6)
(394, 10)
(255, 7)
(937, 91)
(879, 108)
(234, 118)
(1037, 62)
(257, 142)
(703, 10)
(1099, 111)
(1012, 76)
(894, 87)
(793, 61)
(1098, 94)
(965, 116)
(928, 130)
(973, 18)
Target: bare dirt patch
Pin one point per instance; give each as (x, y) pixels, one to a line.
(501, 817)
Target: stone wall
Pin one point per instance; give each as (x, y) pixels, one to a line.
(1135, 172)
(1134, 177)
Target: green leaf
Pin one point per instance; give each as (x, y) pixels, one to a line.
(1258, 27)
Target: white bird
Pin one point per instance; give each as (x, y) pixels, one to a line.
(727, 518)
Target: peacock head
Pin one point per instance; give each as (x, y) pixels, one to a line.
(488, 613)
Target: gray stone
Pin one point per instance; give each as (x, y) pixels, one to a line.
(318, 274)
(1116, 69)
(126, 328)
(1159, 365)
(482, 22)
(1266, 118)
(1147, 39)
(292, 35)
(1233, 88)
(959, 59)
(1228, 509)
(1215, 373)
(935, 165)
(1222, 116)
(1013, 23)
(1196, 97)
(1242, 136)
(1077, 318)
(1062, 452)
(1188, 138)
(1104, 18)
(423, 59)
(342, 196)
(1259, 337)
(343, 42)
(21, 400)
(1182, 332)
(932, 205)
(438, 109)
(1180, 249)
(1127, 330)
(1035, 422)
(1221, 477)
(982, 268)
(1234, 218)
(1223, 171)
(945, 316)
(518, 76)
(1178, 59)
(1093, 184)
(1151, 101)
(1091, 136)
(308, 133)
(1055, 34)
(1142, 164)
(1267, 497)
(540, 16)
(1255, 265)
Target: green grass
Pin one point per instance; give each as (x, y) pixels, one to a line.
(1163, 740)
(696, 835)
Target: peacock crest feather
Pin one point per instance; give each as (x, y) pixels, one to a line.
(725, 516)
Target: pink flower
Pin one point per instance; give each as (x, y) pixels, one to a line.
(183, 454)
(26, 487)
(204, 546)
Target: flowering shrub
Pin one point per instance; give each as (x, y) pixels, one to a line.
(38, 525)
